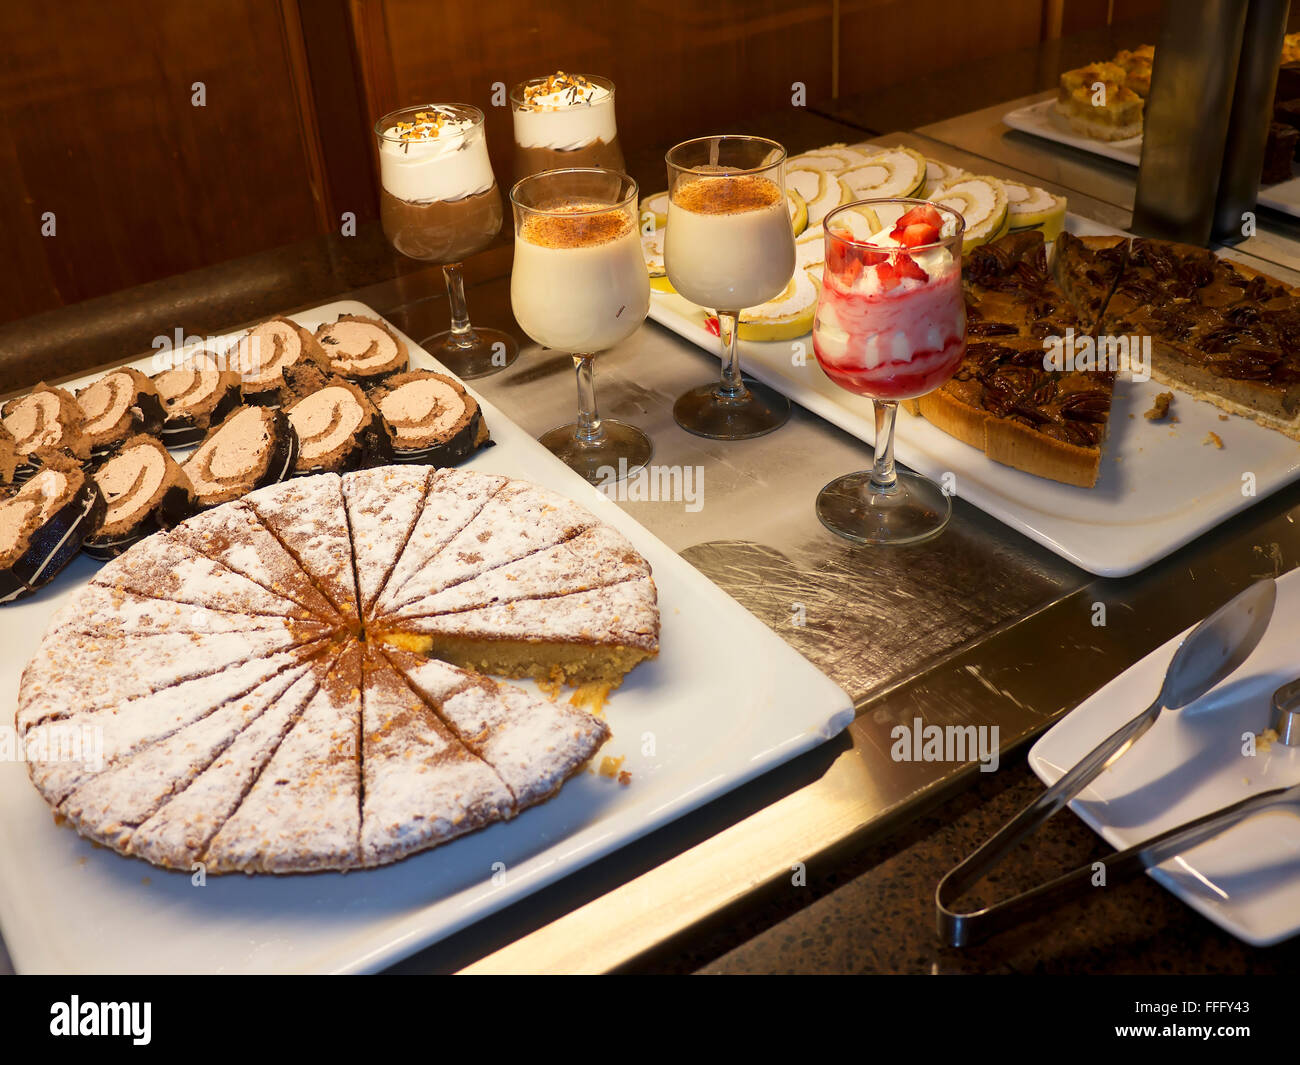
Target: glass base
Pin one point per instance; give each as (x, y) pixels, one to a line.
(914, 511)
(484, 352)
(706, 411)
(621, 451)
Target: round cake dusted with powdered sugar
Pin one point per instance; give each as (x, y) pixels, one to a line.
(299, 680)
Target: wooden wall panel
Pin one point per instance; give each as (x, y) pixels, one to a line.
(883, 42)
(681, 67)
(95, 108)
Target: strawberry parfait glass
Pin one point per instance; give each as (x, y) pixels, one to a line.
(890, 325)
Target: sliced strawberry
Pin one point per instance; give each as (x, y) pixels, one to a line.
(873, 258)
(711, 324)
(916, 234)
(905, 266)
(838, 257)
(923, 214)
(888, 276)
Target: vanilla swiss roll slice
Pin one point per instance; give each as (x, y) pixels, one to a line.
(255, 446)
(43, 524)
(120, 404)
(144, 490)
(339, 429)
(196, 395)
(265, 353)
(432, 418)
(45, 418)
(362, 349)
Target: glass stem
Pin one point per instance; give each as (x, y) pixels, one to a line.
(732, 385)
(461, 331)
(883, 477)
(590, 430)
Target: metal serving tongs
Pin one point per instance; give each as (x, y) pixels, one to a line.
(1208, 654)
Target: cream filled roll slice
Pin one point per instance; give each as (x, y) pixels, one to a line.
(263, 355)
(144, 490)
(431, 417)
(196, 395)
(120, 404)
(46, 418)
(362, 349)
(338, 429)
(253, 447)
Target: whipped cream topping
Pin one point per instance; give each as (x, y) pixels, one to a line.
(564, 112)
(129, 479)
(442, 155)
(326, 420)
(34, 422)
(33, 505)
(358, 346)
(104, 402)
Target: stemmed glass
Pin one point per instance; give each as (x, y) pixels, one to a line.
(580, 285)
(891, 325)
(439, 203)
(729, 246)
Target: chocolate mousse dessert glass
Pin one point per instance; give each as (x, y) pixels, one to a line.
(439, 203)
(728, 246)
(565, 121)
(580, 285)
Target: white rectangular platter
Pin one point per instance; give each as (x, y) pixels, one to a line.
(726, 700)
(1191, 762)
(1041, 120)
(1160, 485)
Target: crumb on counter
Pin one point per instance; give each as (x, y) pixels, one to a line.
(609, 765)
(1215, 439)
(1264, 740)
(1159, 407)
(625, 778)
(1223, 417)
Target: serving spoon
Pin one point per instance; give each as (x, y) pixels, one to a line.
(1208, 654)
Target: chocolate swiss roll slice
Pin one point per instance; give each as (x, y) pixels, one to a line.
(339, 429)
(120, 404)
(265, 352)
(144, 490)
(43, 523)
(432, 418)
(253, 447)
(363, 349)
(45, 419)
(196, 396)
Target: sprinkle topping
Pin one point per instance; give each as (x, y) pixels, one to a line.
(561, 90)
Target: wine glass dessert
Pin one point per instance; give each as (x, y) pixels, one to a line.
(580, 285)
(729, 246)
(564, 122)
(439, 203)
(891, 325)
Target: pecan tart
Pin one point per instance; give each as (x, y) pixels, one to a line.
(1087, 269)
(1219, 330)
(1003, 399)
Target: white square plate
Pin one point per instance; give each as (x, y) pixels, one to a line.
(1191, 763)
(726, 700)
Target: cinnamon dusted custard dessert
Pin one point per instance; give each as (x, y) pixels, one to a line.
(263, 355)
(144, 490)
(254, 446)
(362, 349)
(120, 404)
(43, 523)
(338, 429)
(258, 735)
(196, 396)
(563, 121)
(1003, 398)
(46, 418)
(432, 418)
(439, 200)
